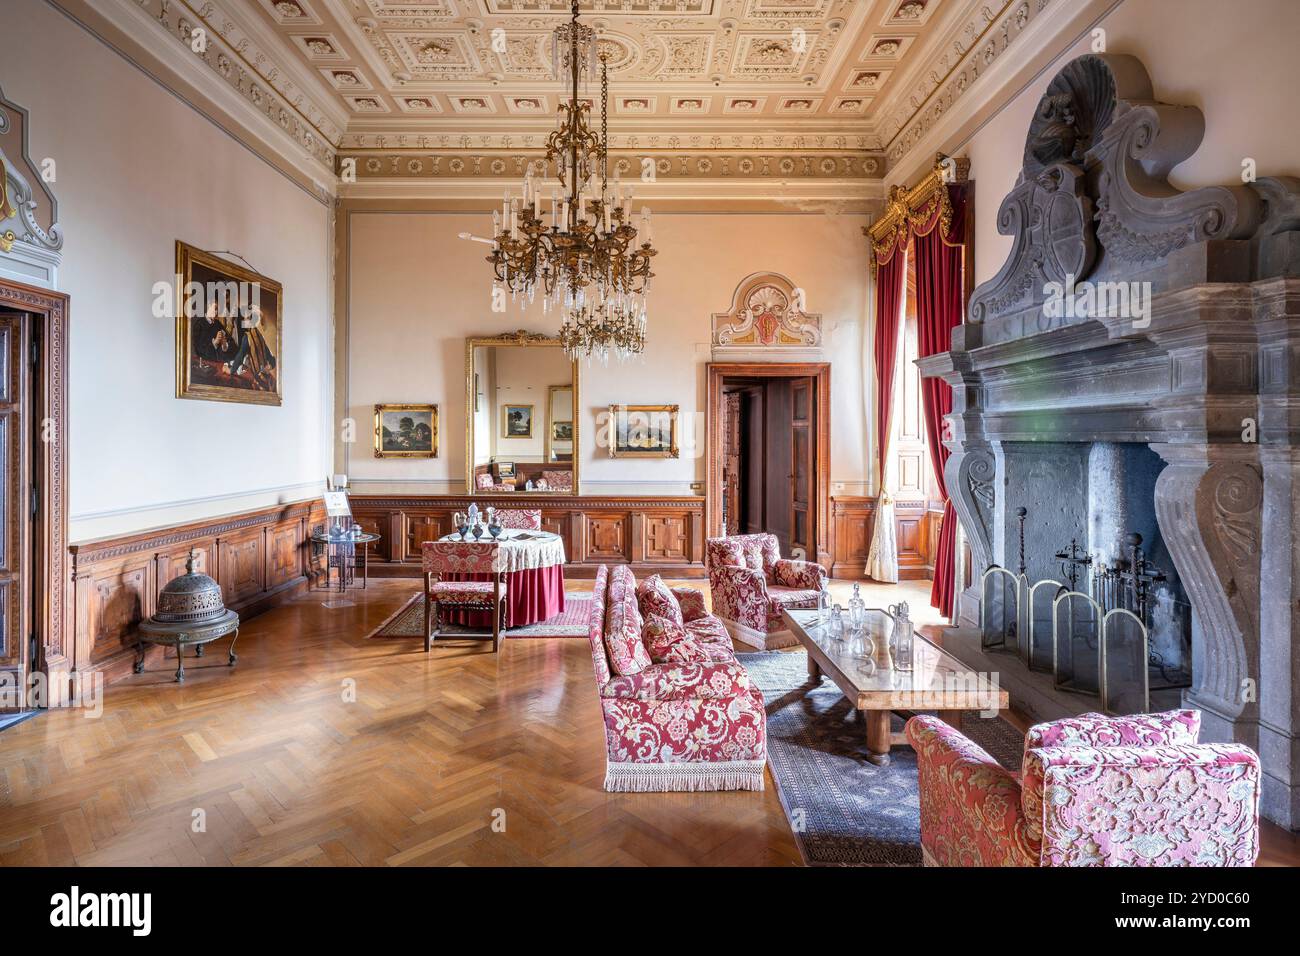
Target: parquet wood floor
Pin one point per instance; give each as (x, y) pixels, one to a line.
(420, 766)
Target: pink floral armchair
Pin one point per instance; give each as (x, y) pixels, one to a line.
(672, 726)
(558, 480)
(466, 576)
(751, 583)
(484, 482)
(1093, 791)
(527, 519)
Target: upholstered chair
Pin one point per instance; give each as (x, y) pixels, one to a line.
(558, 480)
(1093, 791)
(751, 583)
(444, 559)
(526, 519)
(484, 482)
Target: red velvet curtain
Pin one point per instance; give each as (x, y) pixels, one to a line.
(889, 305)
(939, 288)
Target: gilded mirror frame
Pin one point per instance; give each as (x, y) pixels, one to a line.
(520, 339)
(550, 421)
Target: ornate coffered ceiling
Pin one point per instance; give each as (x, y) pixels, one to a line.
(831, 89)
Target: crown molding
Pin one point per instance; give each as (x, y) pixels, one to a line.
(993, 80)
(806, 195)
(145, 34)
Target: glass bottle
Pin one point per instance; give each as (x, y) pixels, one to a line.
(837, 624)
(857, 609)
(824, 602)
(903, 640)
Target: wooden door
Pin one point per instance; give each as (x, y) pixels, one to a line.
(803, 455)
(731, 465)
(17, 655)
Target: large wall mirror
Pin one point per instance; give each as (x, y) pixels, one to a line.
(521, 392)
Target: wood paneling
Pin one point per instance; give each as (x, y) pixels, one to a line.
(259, 558)
(653, 534)
(854, 519)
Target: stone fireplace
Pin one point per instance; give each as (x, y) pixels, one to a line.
(1134, 367)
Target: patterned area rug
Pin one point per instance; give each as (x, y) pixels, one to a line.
(844, 810)
(571, 622)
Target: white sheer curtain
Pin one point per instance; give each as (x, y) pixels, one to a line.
(882, 556)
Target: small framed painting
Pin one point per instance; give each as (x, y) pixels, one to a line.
(561, 431)
(406, 431)
(517, 421)
(643, 431)
(228, 324)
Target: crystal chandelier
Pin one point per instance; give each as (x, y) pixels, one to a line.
(587, 260)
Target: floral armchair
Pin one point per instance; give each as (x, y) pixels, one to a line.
(1093, 791)
(483, 482)
(526, 519)
(751, 583)
(558, 480)
(672, 726)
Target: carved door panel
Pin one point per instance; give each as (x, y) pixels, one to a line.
(241, 567)
(422, 528)
(17, 656)
(665, 538)
(607, 537)
(731, 465)
(802, 468)
(376, 524)
(284, 555)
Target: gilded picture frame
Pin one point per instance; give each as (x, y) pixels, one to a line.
(406, 431)
(643, 431)
(517, 420)
(229, 331)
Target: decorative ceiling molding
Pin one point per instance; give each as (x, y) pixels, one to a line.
(698, 78)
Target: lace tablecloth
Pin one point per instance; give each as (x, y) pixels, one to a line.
(527, 550)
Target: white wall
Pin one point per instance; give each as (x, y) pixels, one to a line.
(416, 291)
(1236, 62)
(138, 169)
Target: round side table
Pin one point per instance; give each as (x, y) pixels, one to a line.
(180, 634)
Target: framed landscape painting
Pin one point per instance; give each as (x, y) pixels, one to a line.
(228, 330)
(643, 431)
(517, 421)
(406, 431)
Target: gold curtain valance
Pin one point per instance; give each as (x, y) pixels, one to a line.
(917, 211)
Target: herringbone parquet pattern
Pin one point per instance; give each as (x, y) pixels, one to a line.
(458, 757)
(421, 767)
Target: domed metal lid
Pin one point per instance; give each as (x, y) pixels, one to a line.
(191, 598)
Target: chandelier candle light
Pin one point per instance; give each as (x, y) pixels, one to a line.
(586, 260)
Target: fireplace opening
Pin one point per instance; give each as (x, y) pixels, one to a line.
(1103, 612)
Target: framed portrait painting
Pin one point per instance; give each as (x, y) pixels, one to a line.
(517, 421)
(228, 330)
(406, 431)
(643, 431)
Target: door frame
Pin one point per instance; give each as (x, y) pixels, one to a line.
(717, 373)
(49, 312)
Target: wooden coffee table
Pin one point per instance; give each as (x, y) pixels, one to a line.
(938, 681)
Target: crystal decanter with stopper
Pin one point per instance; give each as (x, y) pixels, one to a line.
(857, 609)
(902, 639)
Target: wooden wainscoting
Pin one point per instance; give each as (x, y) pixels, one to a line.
(662, 535)
(853, 519)
(260, 558)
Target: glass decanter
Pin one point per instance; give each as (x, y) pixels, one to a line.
(857, 609)
(902, 639)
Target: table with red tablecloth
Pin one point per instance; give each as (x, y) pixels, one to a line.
(534, 566)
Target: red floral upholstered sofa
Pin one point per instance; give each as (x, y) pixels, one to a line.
(1093, 791)
(751, 583)
(692, 721)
